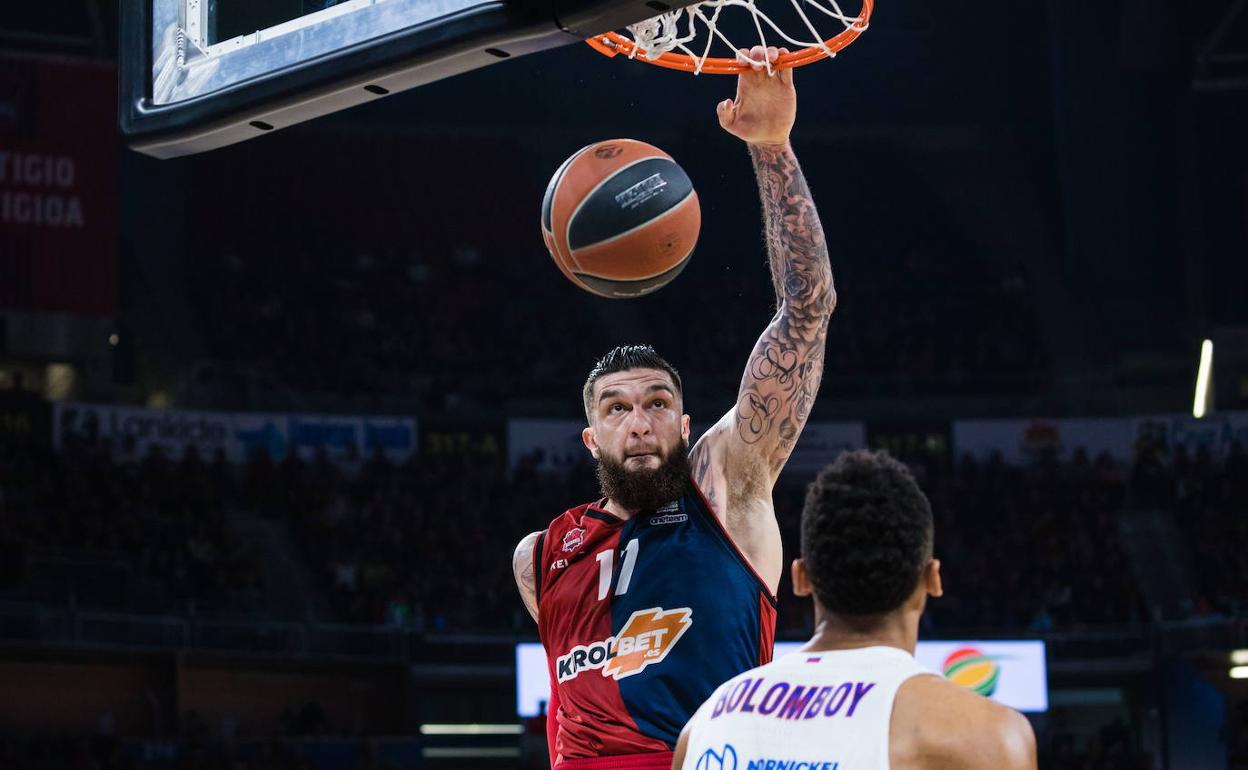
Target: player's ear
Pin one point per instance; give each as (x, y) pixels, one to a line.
(587, 437)
(801, 579)
(931, 577)
(685, 424)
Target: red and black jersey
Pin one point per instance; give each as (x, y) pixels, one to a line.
(641, 620)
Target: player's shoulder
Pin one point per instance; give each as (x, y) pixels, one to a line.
(524, 560)
(560, 527)
(938, 724)
(527, 544)
(570, 519)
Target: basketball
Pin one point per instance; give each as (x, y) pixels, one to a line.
(620, 218)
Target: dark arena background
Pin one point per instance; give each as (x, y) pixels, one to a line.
(274, 416)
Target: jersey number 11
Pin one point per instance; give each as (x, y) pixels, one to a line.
(605, 567)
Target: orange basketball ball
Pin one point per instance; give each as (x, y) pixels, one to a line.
(620, 218)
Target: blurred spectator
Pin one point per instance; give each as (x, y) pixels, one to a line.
(358, 305)
(95, 504)
(1030, 550)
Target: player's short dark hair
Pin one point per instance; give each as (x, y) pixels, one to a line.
(866, 534)
(621, 359)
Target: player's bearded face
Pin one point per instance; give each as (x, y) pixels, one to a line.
(642, 488)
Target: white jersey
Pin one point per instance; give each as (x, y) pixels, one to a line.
(807, 711)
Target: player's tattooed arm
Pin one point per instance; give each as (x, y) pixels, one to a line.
(786, 366)
(522, 566)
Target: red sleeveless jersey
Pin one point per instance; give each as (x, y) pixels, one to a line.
(641, 620)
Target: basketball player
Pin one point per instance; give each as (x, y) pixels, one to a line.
(854, 697)
(649, 598)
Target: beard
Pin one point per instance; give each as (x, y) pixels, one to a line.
(648, 488)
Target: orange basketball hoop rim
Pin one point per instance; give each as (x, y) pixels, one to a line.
(614, 44)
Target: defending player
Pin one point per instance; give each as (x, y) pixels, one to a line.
(649, 598)
(854, 697)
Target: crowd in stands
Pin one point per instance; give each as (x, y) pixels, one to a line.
(426, 544)
(362, 324)
(98, 526)
(362, 304)
(1022, 548)
(1209, 499)
(1110, 747)
(423, 545)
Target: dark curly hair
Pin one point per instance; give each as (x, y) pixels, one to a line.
(866, 534)
(621, 359)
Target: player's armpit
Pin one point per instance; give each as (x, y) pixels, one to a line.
(706, 464)
(523, 567)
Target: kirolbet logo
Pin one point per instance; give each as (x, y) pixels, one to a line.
(647, 637)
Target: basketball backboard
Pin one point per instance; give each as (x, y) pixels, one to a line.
(202, 74)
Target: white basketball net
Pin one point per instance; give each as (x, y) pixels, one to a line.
(660, 34)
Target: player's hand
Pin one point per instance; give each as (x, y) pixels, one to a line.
(766, 104)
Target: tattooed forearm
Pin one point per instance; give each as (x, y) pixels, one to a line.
(786, 366)
(800, 269)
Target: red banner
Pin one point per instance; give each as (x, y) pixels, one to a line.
(58, 186)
